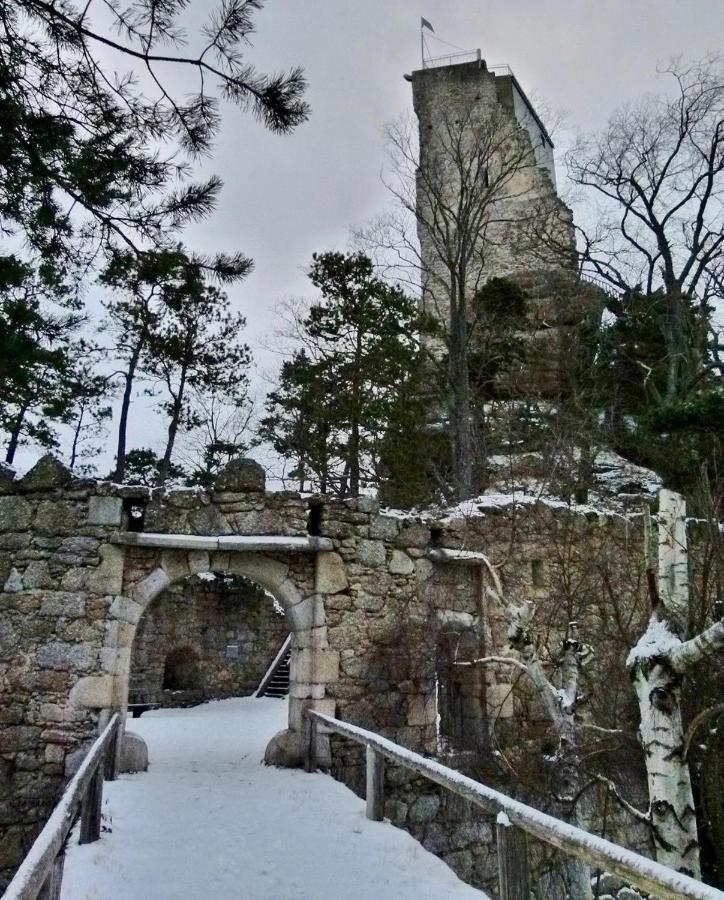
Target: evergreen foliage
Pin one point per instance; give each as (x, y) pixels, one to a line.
(337, 397)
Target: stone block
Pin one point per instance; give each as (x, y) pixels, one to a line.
(241, 475)
(421, 710)
(499, 698)
(56, 517)
(315, 638)
(74, 579)
(412, 534)
(300, 690)
(65, 657)
(423, 569)
(134, 753)
(423, 809)
(208, 520)
(175, 564)
(46, 474)
(301, 616)
(93, 692)
(384, 528)
(458, 621)
(314, 666)
(320, 615)
(37, 575)
(55, 753)
(330, 574)
(199, 561)
(270, 573)
(126, 609)
(63, 603)
(12, 848)
(286, 750)
(288, 594)
(14, 582)
(371, 554)
(328, 707)
(7, 477)
(105, 511)
(156, 582)
(16, 514)
(400, 563)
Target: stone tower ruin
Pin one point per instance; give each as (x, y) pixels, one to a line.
(486, 168)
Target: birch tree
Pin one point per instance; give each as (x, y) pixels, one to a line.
(658, 665)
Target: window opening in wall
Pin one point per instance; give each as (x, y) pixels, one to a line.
(314, 519)
(449, 719)
(536, 572)
(134, 514)
(181, 670)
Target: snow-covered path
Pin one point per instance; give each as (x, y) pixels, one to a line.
(208, 821)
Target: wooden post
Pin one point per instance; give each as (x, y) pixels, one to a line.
(513, 876)
(90, 816)
(375, 785)
(51, 889)
(111, 761)
(310, 757)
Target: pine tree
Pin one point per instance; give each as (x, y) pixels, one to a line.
(336, 399)
(37, 352)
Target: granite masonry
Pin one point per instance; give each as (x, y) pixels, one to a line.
(381, 608)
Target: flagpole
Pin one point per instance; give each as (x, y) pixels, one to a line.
(422, 44)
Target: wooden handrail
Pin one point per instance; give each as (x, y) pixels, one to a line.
(43, 865)
(639, 871)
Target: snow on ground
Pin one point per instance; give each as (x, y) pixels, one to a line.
(209, 821)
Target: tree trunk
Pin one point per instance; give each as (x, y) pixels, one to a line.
(671, 801)
(125, 405)
(76, 439)
(15, 433)
(678, 348)
(165, 466)
(353, 446)
(656, 666)
(560, 706)
(461, 426)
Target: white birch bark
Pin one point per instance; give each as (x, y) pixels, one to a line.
(661, 732)
(657, 664)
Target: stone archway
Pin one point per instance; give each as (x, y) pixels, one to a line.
(290, 580)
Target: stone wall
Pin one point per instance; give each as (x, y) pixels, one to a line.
(228, 628)
(378, 622)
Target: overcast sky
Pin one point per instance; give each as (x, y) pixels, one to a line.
(286, 197)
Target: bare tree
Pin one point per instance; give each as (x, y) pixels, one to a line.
(455, 220)
(658, 170)
(224, 431)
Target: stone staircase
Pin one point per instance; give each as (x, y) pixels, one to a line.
(275, 682)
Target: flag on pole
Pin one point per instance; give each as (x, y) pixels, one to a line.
(425, 24)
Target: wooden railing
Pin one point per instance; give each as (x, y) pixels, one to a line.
(515, 821)
(41, 872)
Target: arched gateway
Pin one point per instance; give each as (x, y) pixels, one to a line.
(81, 560)
(382, 626)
